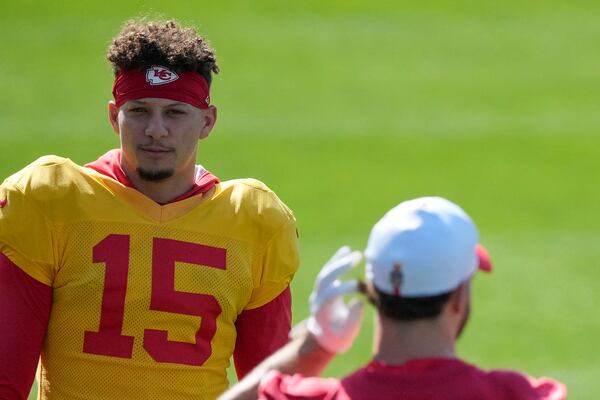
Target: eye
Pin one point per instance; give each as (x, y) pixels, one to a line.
(137, 110)
(175, 111)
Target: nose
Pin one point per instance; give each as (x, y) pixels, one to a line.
(156, 127)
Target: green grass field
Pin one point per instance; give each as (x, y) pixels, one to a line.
(346, 108)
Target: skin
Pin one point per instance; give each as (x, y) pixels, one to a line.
(159, 142)
(397, 342)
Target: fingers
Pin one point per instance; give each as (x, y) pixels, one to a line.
(337, 267)
(341, 289)
(341, 252)
(327, 286)
(333, 323)
(345, 263)
(332, 292)
(333, 261)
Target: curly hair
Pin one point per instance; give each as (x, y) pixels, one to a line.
(141, 44)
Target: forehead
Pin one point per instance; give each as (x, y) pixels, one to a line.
(157, 102)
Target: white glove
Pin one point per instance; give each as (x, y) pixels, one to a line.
(333, 323)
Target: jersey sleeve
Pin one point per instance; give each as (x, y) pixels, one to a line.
(24, 312)
(279, 263)
(25, 234)
(276, 385)
(250, 348)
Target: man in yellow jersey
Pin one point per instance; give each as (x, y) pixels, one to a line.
(139, 275)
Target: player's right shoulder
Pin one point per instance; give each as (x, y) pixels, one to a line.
(46, 177)
(27, 173)
(49, 160)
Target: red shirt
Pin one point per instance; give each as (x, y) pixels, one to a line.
(421, 379)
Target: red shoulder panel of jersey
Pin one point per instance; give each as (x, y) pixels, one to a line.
(512, 384)
(24, 312)
(445, 379)
(110, 165)
(203, 183)
(252, 345)
(276, 385)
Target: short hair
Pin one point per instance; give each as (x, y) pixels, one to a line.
(408, 308)
(142, 44)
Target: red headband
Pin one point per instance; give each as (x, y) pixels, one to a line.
(161, 82)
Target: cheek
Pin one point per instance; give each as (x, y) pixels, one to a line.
(190, 144)
(187, 147)
(127, 136)
(128, 128)
(197, 125)
(191, 133)
(125, 124)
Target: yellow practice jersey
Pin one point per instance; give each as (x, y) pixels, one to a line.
(145, 296)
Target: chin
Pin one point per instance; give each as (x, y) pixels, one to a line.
(155, 175)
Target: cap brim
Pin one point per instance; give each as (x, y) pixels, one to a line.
(485, 264)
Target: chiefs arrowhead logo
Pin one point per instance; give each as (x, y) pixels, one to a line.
(157, 75)
(3, 202)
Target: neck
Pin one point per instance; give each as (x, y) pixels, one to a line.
(165, 190)
(397, 342)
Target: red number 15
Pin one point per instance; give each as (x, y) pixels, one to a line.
(113, 251)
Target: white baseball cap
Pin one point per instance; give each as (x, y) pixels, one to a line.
(424, 247)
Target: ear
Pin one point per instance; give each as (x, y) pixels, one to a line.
(209, 117)
(459, 299)
(113, 116)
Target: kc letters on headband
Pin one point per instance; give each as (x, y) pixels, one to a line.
(161, 82)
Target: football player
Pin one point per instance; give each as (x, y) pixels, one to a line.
(139, 275)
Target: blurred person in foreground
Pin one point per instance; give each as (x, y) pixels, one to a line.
(139, 275)
(420, 259)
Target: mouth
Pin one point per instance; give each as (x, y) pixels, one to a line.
(155, 151)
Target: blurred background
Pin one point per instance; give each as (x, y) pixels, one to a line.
(345, 108)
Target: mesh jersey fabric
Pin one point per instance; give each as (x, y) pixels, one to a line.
(420, 379)
(145, 297)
